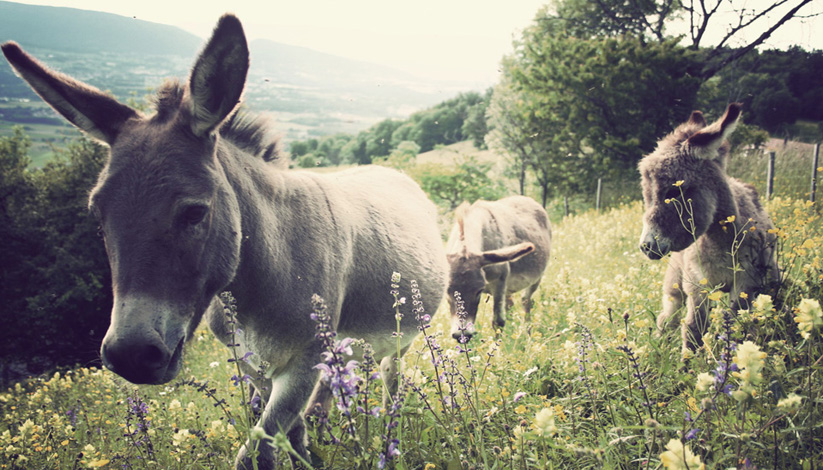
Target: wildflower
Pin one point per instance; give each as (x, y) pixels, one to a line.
(544, 422)
(763, 303)
(678, 183)
(704, 381)
(680, 457)
(180, 437)
(750, 361)
(809, 317)
(790, 404)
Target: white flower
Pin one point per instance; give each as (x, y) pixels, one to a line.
(790, 404)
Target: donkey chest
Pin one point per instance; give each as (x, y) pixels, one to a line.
(711, 262)
(257, 348)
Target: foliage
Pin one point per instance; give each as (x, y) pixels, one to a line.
(587, 384)
(454, 120)
(448, 186)
(776, 87)
(596, 106)
(55, 279)
(401, 158)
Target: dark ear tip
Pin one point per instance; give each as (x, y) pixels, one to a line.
(230, 22)
(11, 49)
(734, 110)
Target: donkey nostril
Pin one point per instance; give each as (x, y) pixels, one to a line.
(152, 356)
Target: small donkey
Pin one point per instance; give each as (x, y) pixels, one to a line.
(499, 248)
(191, 202)
(712, 223)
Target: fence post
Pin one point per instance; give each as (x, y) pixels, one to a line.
(770, 177)
(814, 171)
(599, 186)
(566, 205)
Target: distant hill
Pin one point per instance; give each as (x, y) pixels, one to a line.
(74, 30)
(308, 92)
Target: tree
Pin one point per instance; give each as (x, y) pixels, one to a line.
(599, 81)
(652, 20)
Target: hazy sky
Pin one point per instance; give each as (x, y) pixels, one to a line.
(438, 39)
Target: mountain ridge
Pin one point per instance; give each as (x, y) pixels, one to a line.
(311, 93)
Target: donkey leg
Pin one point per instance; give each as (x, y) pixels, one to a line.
(388, 371)
(290, 392)
(499, 307)
(320, 403)
(673, 298)
(527, 300)
(695, 324)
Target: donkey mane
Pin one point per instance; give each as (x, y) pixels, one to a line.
(248, 131)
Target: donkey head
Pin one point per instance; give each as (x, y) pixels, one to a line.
(683, 183)
(467, 280)
(169, 220)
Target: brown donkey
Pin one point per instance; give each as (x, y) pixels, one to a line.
(498, 248)
(190, 204)
(712, 223)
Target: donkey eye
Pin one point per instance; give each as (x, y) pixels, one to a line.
(194, 214)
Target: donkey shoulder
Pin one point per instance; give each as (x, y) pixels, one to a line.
(748, 199)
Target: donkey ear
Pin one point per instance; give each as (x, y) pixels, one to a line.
(509, 253)
(460, 217)
(697, 119)
(88, 108)
(706, 143)
(218, 76)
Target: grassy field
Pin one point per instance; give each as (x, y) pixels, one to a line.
(586, 384)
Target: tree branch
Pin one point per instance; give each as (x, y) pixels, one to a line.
(715, 67)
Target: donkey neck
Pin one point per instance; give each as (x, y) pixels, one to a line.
(727, 219)
(283, 215)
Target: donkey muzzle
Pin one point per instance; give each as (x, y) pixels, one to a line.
(653, 246)
(142, 360)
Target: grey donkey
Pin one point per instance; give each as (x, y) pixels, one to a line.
(192, 202)
(499, 248)
(713, 224)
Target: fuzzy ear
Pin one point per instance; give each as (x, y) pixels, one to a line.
(218, 76)
(706, 143)
(460, 216)
(697, 119)
(509, 253)
(88, 108)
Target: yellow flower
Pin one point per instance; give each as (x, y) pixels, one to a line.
(679, 457)
(790, 404)
(430, 466)
(715, 295)
(809, 316)
(679, 183)
(744, 295)
(730, 219)
(98, 463)
(703, 281)
(544, 422)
